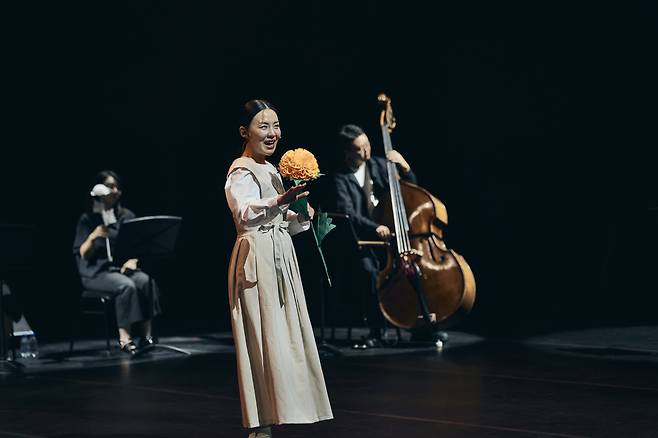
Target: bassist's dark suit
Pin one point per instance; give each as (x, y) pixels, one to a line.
(353, 200)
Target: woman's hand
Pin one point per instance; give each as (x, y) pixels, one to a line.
(311, 212)
(99, 231)
(130, 265)
(293, 194)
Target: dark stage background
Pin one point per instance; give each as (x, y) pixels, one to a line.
(531, 123)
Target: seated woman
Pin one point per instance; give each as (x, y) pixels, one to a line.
(136, 296)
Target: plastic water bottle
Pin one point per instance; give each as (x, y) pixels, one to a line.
(29, 348)
(33, 347)
(24, 350)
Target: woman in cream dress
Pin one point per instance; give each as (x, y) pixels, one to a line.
(279, 372)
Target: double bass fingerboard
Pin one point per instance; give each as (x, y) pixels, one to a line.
(397, 203)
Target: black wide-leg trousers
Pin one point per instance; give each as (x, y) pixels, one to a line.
(136, 296)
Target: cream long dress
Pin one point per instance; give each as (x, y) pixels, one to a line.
(279, 372)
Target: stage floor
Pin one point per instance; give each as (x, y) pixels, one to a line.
(588, 383)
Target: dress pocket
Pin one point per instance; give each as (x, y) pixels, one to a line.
(243, 268)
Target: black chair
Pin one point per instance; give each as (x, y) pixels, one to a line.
(349, 241)
(96, 304)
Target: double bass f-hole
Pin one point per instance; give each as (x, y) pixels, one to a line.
(424, 283)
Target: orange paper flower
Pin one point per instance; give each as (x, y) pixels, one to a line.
(299, 164)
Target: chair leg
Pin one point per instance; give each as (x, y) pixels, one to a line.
(107, 325)
(74, 327)
(13, 348)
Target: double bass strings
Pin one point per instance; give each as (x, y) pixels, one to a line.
(397, 203)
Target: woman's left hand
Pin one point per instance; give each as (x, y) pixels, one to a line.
(130, 265)
(311, 212)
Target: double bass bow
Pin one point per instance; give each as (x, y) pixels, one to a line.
(424, 286)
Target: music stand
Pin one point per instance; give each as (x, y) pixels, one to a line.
(16, 244)
(322, 343)
(359, 245)
(150, 238)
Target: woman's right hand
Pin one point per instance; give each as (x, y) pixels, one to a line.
(99, 231)
(293, 194)
(87, 245)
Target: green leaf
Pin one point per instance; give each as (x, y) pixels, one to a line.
(300, 206)
(324, 226)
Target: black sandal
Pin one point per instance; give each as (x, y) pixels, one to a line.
(129, 347)
(146, 341)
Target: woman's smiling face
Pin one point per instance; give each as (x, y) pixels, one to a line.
(262, 135)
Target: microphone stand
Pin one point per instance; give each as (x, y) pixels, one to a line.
(6, 365)
(323, 345)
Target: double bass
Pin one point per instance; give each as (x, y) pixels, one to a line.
(424, 286)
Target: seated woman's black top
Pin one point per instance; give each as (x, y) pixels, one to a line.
(96, 260)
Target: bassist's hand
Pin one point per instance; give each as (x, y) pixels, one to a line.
(397, 158)
(383, 232)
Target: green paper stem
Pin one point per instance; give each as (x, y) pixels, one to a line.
(324, 263)
(300, 206)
